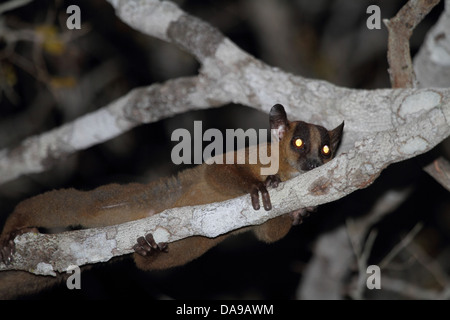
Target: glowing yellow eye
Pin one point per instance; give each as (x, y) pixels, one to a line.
(298, 142)
(325, 150)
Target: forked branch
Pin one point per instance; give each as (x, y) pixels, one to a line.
(382, 127)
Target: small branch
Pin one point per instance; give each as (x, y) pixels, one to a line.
(363, 254)
(410, 290)
(439, 169)
(326, 273)
(13, 4)
(432, 68)
(362, 257)
(400, 29)
(320, 269)
(430, 264)
(39, 153)
(228, 74)
(401, 245)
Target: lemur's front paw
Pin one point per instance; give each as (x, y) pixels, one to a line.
(257, 188)
(7, 246)
(299, 214)
(146, 246)
(272, 181)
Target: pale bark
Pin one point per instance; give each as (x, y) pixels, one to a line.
(381, 127)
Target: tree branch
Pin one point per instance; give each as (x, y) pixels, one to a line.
(228, 74)
(348, 172)
(415, 292)
(439, 169)
(400, 29)
(41, 152)
(432, 67)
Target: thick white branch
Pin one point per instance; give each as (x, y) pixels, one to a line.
(158, 101)
(228, 75)
(381, 127)
(355, 169)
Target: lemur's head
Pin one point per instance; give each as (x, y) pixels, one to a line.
(305, 146)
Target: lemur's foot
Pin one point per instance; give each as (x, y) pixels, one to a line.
(146, 246)
(7, 246)
(257, 188)
(299, 214)
(260, 187)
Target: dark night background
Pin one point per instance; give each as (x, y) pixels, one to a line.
(44, 85)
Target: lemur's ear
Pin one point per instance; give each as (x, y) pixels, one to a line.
(335, 136)
(279, 123)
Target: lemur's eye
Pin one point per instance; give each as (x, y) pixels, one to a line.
(298, 142)
(326, 150)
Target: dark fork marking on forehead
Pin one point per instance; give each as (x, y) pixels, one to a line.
(324, 136)
(313, 135)
(315, 138)
(302, 131)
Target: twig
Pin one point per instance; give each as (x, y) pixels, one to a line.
(410, 290)
(13, 4)
(400, 29)
(362, 254)
(431, 264)
(439, 169)
(401, 245)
